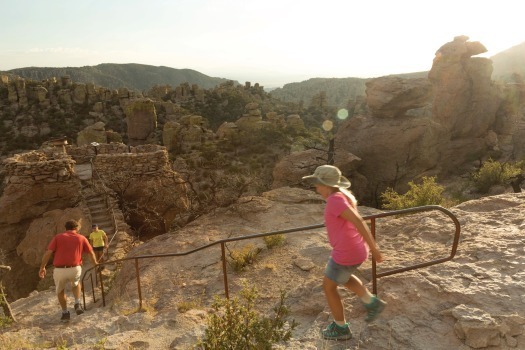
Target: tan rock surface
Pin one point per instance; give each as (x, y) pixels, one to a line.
(474, 301)
(392, 96)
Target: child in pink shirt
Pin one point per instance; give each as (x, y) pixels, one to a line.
(351, 242)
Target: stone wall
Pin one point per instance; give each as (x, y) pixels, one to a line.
(36, 167)
(147, 163)
(50, 165)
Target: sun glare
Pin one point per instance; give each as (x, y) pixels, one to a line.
(328, 125)
(342, 113)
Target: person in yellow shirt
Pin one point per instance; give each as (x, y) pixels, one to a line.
(99, 241)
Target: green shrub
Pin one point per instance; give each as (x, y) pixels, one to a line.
(274, 240)
(240, 258)
(494, 173)
(236, 325)
(5, 322)
(427, 193)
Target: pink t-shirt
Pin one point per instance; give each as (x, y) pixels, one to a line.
(349, 247)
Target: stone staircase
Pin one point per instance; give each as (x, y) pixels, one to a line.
(100, 213)
(98, 207)
(103, 209)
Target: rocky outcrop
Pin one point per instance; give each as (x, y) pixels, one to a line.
(288, 172)
(251, 119)
(141, 120)
(37, 182)
(186, 133)
(42, 230)
(393, 151)
(93, 133)
(465, 98)
(390, 97)
(425, 127)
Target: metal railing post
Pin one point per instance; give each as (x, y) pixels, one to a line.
(138, 282)
(101, 286)
(224, 271)
(374, 266)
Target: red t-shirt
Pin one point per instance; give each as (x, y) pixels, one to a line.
(68, 248)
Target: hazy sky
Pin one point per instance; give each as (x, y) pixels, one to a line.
(271, 42)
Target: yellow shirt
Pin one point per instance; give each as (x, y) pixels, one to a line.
(97, 238)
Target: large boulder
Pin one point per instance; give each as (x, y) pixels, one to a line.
(290, 170)
(391, 96)
(392, 151)
(42, 230)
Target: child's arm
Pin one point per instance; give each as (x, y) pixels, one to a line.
(351, 214)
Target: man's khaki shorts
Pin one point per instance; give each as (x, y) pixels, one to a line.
(64, 275)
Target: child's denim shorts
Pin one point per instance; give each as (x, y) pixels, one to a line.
(340, 274)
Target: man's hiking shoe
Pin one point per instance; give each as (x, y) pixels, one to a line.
(78, 309)
(65, 317)
(375, 307)
(335, 332)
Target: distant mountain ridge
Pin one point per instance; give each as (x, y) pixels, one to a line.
(133, 76)
(339, 91)
(509, 62)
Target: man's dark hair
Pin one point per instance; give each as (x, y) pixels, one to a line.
(71, 225)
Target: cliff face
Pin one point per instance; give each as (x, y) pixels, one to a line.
(36, 183)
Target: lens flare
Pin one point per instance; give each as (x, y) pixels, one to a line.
(342, 113)
(328, 125)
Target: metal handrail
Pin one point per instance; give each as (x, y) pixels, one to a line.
(223, 242)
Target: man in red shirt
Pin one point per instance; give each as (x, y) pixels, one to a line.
(68, 248)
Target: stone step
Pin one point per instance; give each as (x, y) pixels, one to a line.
(96, 200)
(98, 207)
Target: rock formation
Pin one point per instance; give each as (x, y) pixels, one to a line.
(93, 133)
(400, 140)
(141, 120)
(465, 99)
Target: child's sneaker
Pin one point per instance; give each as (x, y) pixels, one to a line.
(65, 316)
(335, 332)
(375, 307)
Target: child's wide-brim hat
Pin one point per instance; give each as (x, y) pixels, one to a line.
(328, 175)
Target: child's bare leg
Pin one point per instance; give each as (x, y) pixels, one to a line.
(334, 299)
(356, 286)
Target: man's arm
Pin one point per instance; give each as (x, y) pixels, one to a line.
(93, 257)
(45, 259)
